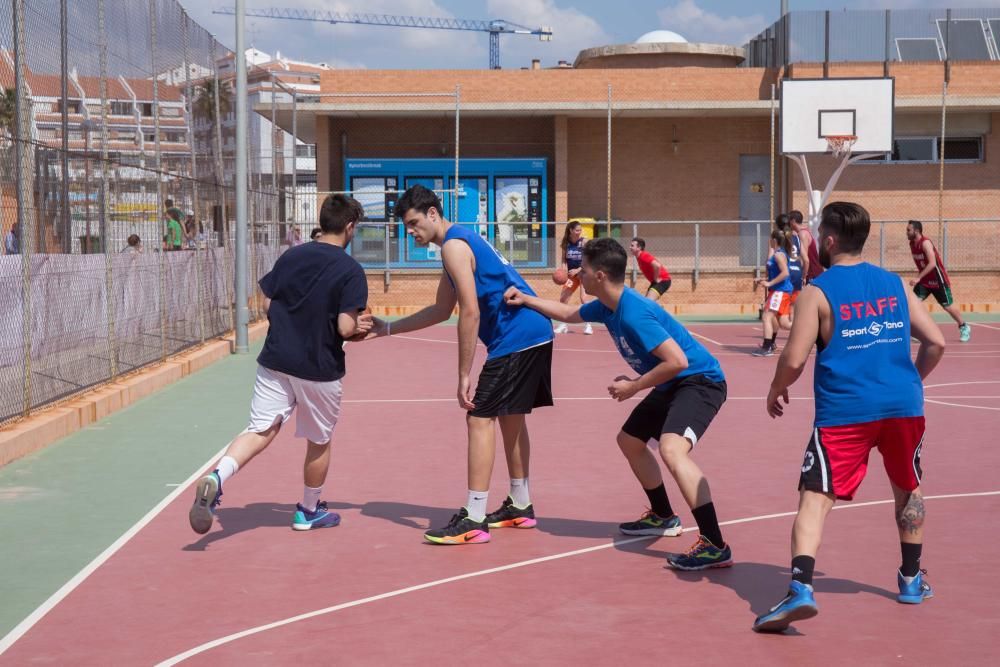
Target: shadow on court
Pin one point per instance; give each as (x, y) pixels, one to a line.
(761, 585)
(234, 520)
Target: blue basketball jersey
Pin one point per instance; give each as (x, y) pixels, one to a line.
(795, 264)
(640, 325)
(865, 373)
(773, 270)
(574, 254)
(503, 329)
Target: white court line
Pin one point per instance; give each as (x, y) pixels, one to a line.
(82, 575)
(493, 570)
(960, 405)
(985, 326)
(698, 335)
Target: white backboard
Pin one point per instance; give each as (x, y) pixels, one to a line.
(812, 109)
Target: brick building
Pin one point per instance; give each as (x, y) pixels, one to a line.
(689, 142)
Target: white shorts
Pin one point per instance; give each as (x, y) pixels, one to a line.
(276, 395)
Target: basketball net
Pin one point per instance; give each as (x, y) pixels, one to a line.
(841, 144)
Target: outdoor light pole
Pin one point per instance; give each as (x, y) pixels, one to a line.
(242, 312)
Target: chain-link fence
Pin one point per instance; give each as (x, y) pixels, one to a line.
(117, 133)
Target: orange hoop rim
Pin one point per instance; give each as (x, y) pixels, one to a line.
(840, 143)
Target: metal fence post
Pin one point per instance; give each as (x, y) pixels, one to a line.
(458, 111)
(881, 244)
(240, 273)
(65, 226)
(22, 120)
(199, 301)
(635, 234)
(608, 223)
(756, 268)
(220, 179)
(944, 242)
(158, 172)
(697, 252)
(109, 281)
(295, 158)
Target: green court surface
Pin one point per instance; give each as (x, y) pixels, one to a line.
(62, 506)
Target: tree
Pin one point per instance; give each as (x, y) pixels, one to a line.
(203, 108)
(8, 110)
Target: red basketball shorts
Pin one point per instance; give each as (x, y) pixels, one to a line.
(836, 457)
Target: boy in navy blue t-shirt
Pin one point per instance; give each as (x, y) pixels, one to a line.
(688, 390)
(316, 294)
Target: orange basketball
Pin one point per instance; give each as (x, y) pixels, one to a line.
(560, 276)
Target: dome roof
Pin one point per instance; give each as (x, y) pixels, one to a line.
(661, 36)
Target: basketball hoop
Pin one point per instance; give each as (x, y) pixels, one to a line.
(840, 144)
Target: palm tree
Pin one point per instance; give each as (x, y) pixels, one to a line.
(203, 108)
(8, 109)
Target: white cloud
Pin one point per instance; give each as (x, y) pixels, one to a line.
(698, 25)
(353, 45)
(572, 31)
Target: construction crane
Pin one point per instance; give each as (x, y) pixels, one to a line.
(495, 27)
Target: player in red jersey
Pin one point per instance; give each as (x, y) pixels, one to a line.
(652, 268)
(932, 277)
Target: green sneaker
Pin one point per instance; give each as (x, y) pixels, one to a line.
(965, 333)
(651, 523)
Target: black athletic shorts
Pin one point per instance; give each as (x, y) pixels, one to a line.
(515, 384)
(685, 408)
(941, 294)
(661, 286)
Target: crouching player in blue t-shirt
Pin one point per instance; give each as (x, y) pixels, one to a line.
(688, 390)
(317, 294)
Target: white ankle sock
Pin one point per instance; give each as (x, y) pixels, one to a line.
(310, 497)
(519, 492)
(476, 505)
(227, 467)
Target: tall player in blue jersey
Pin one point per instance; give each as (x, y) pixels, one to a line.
(688, 390)
(515, 379)
(869, 394)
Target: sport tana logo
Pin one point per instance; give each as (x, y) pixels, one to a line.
(873, 329)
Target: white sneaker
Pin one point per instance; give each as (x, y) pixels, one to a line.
(562, 328)
(588, 330)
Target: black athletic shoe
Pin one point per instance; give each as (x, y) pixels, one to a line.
(460, 530)
(765, 350)
(509, 516)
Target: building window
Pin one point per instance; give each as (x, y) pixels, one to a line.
(305, 150)
(147, 109)
(927, 149)
(119, 108)
(72, 106)
(175, 137)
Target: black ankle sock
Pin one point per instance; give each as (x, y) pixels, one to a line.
(773, 340)
(708, 524)
(658, 501)
(802, 569)
(911, 559)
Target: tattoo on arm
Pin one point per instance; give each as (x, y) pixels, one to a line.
(910, 517)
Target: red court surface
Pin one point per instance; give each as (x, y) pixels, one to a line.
(371, 592)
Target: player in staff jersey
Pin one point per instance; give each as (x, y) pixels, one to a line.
(868, 394)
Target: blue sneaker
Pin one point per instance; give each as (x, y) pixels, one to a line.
(321, 518)
(652, 523)
(798, 605)
(914, 592)
(207, 496)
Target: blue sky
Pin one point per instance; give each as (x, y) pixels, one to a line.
(576, 24)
